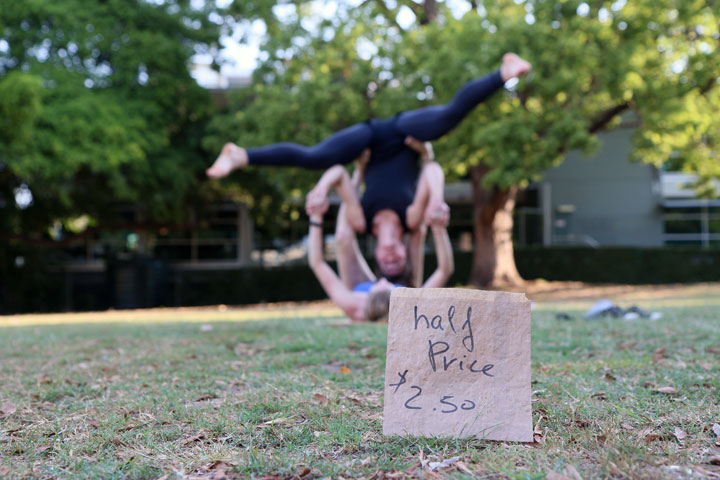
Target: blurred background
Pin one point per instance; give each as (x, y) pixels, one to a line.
(602, 166)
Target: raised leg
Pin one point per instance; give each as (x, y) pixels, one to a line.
(431, 123)
(340, 148)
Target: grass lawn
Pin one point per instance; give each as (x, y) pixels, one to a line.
(225, 393)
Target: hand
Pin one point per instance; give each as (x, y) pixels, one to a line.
(316, 201)
(423, 148)
(437, 213)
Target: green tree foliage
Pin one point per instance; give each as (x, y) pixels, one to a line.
(594, 61)
(97, 106)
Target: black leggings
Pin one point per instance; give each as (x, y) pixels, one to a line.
(425, 124)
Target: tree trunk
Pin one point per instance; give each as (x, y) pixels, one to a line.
(493, 258)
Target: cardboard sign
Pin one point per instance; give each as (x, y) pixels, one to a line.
(458, 364)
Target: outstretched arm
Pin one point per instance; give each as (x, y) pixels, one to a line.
(431, 182)
(445, 261)
(352, 267)
(334, 288)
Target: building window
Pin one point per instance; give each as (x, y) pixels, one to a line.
(691, 223)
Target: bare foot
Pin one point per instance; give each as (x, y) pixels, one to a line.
(231, 158)
(513, 67)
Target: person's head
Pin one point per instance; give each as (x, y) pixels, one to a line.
(391, 257)
(378, 302)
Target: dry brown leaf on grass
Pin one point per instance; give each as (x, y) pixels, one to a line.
(118, 442)
(582, 423)
(193, 439)
(649, 435)
(321, 399)
(680, 434)
(714, 460)
(344, 369)
(712, 350)
(7, 409)
(125, 454)
(668, 390)
(462, 467)
(716, 430)
(131, 426)
(599, 396)
(302, 472)
(43, 448)
(538, 434)
(209, 396)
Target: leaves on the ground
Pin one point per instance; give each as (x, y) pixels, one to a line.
(344, 369)
(321, 399)
(7, 409)
(193, 439)
(209, 396)
(668, 390)
(712, 350)
(131, 426)
(680, 434)
(538, 433)
(217, 470)
(649, 435)
(303, 472)
(714, 460)
(716, 430)
(43, 448)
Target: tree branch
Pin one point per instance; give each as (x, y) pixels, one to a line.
(709, 85)
(389, 14)
(601, 120)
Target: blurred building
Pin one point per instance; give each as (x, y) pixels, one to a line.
(604, 200)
